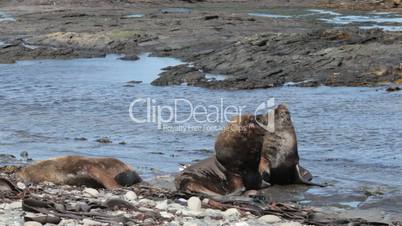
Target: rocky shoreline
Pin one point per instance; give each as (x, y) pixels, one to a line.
(216, 37)
(147, 204)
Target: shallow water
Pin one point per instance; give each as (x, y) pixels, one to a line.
(365, 20)
(349, 138)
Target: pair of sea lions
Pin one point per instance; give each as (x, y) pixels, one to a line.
(234, 168)
(109, 173)
(248, 157)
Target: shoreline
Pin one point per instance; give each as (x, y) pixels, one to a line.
(254, 52)
(147, 204)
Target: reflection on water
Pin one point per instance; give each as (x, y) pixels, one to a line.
(6, 17)
(268, 15)
(135, 15)
(176, 10)
(365, 20)
(348, 137)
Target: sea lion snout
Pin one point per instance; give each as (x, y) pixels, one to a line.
(128, 178)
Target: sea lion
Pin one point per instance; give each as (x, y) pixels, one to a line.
(234, 168)
(109, 173)
(279, 163)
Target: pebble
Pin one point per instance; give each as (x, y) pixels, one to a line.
(21, 185)
(162, 205)
(213, 213)
(165, 214)
(291, 223)
(32, 223)
(91, 222)
(147, 202)
(14, 205)
(149, 221)
(130, 196)
(67, 222)
(241, 224)
(174, 207)
(92, 192)
(194, 204)
(269, 219)
(232, 214)
(194, 223)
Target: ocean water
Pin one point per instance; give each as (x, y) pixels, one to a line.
(349, 138)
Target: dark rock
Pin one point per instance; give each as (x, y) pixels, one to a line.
(80, 139)
(211, 17)
(393, 88)
(178, 75)
(130, 57)
(134, 82)
(104, 140)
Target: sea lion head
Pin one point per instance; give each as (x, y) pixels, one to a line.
(127, 178)
(282, 118)
(238, 146)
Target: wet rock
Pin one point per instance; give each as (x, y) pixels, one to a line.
(232, 214)
(211, 17)
(269, 219)
(393, 88)
(80, 139)
(104, 140)
(134, 82)
(130, 196)
(194, 204)
(130, 57)
(91, 192)
(177, 75)
(122, 143)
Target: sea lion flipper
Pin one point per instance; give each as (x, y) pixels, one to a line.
(304, 176)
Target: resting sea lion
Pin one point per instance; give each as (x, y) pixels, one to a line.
(234, 168)
(76, 170)
(279, 162)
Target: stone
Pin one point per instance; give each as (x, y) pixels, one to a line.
(163, 205)
(91, 192)
(32, 223)
(241, 224)
(14, 205)
(232, 214)
(393, 88)
(130, 196)
(89, 222)
(213, 213)
(269, 219)
(104, 140)
(165, 214)
(147, 202)
(21, 185)
(291, 223)
(194, 204)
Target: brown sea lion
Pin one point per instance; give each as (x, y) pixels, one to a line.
(279, 162)
(234, 168)
(109, 173)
